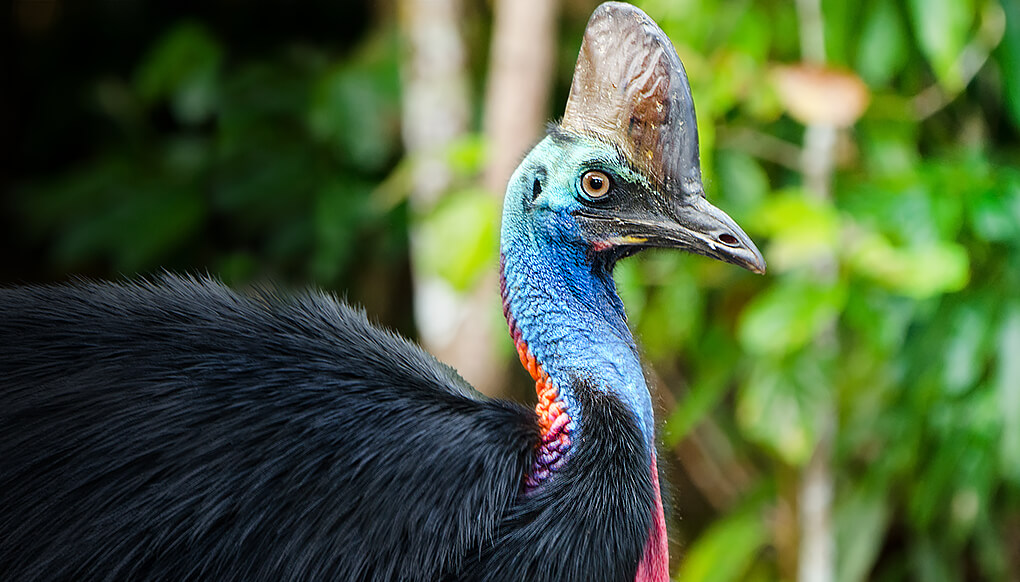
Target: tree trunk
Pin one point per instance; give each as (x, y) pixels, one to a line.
(462, 328)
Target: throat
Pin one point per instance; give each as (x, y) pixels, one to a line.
(554, 420)
(569, 329)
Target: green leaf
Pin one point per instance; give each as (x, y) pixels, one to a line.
(459, 239)
(184, 67)
(356, 108)
(781, 406)
(963, 360)
(861, 519)
(743, 184)
(942, 28)
(883, 48)
(788, 315)
(340, 210)
(702, 398)
(995, 212)
(803, 228)
(672, 315)
(1008, 55)
(919, 271)
(726, 550)
(1007, 382)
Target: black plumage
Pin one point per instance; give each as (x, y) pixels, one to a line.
(178, 430)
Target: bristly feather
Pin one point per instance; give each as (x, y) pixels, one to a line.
(179, 430)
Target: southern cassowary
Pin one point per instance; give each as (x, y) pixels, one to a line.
(176, 430)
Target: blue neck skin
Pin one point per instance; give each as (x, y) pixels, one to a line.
(562, 298)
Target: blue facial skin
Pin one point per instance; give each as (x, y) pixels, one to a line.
(561, 295)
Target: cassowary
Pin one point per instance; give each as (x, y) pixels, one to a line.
(176, 430)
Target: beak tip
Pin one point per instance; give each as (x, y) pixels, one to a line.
(757, 262)
(758, 267)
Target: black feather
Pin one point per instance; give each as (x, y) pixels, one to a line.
(178, 430)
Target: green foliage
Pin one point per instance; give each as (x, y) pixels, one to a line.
(889, 314)
(268, 166)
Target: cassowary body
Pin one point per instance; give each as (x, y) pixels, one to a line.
(177, 430)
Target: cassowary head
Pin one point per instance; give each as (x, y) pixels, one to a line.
(621, 172)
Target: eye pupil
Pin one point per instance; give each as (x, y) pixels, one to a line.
(595, 184)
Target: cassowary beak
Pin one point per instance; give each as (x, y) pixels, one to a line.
(700, 227)
(695, 226)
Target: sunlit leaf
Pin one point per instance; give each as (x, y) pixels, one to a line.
(788, 315)
(917, 271)
(459, 239)
(942, 28)
(781, 406)
(884, 47)
(803, 229)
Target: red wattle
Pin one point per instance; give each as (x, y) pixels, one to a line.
(654, 566)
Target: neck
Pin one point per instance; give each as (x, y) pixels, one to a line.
(569, 327)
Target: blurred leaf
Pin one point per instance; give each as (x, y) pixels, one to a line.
(963, 359)
(883, 48)
(917, 271)
(137, 232)
(803, 229)
(1008, 55)
(356, 107)
(743, 184)
(184, 67)
(671, 316)
(788, 315)
(928, 562)
(340, 212)
(632, 287)
(460, 237)
(781, 405)
(995, 212)
(860, 519)
(700, 400)
(942, 28)
(889, 148)
(726, 550)
(1007, 381)
(467, 155)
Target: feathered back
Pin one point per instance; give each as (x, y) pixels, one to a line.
(178, 430)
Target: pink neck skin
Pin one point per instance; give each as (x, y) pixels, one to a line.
(654, 566)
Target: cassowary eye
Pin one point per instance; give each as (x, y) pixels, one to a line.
(595, 184)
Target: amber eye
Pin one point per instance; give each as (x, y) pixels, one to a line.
(595, 184)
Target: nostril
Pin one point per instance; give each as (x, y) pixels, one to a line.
(728, 239)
